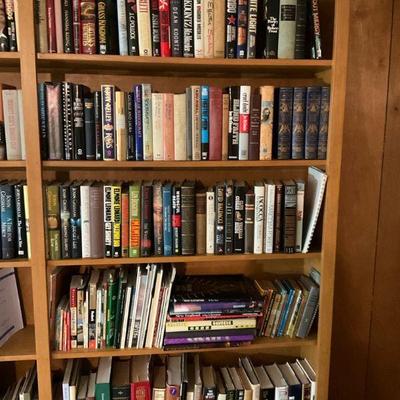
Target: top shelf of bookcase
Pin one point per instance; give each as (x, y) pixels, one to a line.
(99, 64)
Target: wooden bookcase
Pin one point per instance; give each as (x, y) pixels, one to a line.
(26, 68)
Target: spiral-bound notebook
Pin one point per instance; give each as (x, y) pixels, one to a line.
(315, 190)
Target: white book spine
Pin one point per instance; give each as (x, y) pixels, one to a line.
(157, 114)
(11, 125)
(21, 124)
(299, 215)
(120, 126)
(281, 393)
(180, 126)
(244, 122)
(59, 24)
(133, 310)
(147, 122)
(287, 28)
(125, 316)
(85, 221)
(198, 28)
(269, 218)
(208, 24)
(98, 317)
(86, 320)
(196, 124)
(144, 29)
(122, 29)
(258, 219)
(26, 208)
(210, 222)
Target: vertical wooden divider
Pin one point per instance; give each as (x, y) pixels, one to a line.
(34, 181)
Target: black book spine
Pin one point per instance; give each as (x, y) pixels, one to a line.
(323, 123)
(252, 29)
(312, 122)
(249, 207)
(272, 28)
(131, 126)
(315, 29)
(176, 28)
(298, 128)
(3, 150)
(107, 26)
(278, 217)
(79, 128)
(68, 36)
(188, 220)
(22, 245)
(155, 28)
(11, 25)
(65, 215)
(44, 144)
(289, 218)
(239, 218)
(176, 220)
(7, 217)
(90, 133)
(68, 125)
(97, 125)
(219, 247)
(242, 15)
(146, 229)
(229, 229)
(231, 28)
(76, 246)
(3, 29)
(233, 128)
(188, 47)
(131, 16)
(284, 125)
(301, 23)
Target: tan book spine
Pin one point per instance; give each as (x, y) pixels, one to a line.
(180, 126)
(144, 29)
(208, 24)
(157, 100)
(42, 26)
(201, 223)
(168, 126)
(196, 124)
(219, 29)
(225, 125)
(266, 122)
(12, 125)
(120, 125)
(59, 26)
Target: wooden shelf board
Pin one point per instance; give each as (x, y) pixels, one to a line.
(259, 344)
(181, 259)
(15, 263)
(12, 164)
(9, 59)
(171, 65)
(180, 164)
(20, 347)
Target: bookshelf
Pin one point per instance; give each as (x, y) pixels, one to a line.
(26, 68)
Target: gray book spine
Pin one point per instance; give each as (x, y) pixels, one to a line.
(287, 29)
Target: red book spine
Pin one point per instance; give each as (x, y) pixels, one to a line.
(215, 124)
(140, 390)
(125, 225)
(165, 27)
(51, 26)
(168, 124)
(87, 18)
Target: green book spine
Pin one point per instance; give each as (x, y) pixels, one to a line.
(111, 309)
(103, 391)
(122, 281)
(134, 220)
(53, 222)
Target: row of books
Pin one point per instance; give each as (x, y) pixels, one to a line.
(12, 137)
(182, 28)
(14, 220)
(95, 220)
(8, 26)
(182, 377)
(204, 123)
(24, 389)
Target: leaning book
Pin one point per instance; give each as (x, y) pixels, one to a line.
(11, 315)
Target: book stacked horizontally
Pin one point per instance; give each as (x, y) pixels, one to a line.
(212, 310)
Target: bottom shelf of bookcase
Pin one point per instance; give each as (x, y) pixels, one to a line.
(258, 344)
(20, 347)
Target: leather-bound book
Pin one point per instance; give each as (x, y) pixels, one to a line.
(215, 112)
(188, 218)
(201, 222)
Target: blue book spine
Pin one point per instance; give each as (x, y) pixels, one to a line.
(131, 153)
(7, 215)
(286, 311)
(204, 122)
(284, 126)
(298, 128)
(138, 123)
(75, 222)
(323, 123)
(312, 122)
(167, 213)
(44, 145)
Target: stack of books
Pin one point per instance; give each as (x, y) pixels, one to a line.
(8, 27)
(181, 28)
(204, 123)
(24, 389)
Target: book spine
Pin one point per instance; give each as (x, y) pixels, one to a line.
(269, 218)
(316, 30)
(67, 112)
(147, 122)
(208, 28)
(219, 219)
(44, 147)
(196, 123)
(249, 223)
(215, 123)
(287, 28)
(239, 219)
(20, 221)
(277, 219)
(180, 126)
(323, 123)
(157, 109)
(146, 228)
(96, 212)
(201, 213)
(231, 29)
(132, 27)
(68, 35)
(176, 220)
(85, 221)
(254, 134)
(120, 125)
(130, 124)
(299, 215)
(116, 220)
(28, 234)
(266, 122)
(8, 222)
(51, 27)
(108, 229)
(92, 316)
(3, 153)
(138, 122)
(233, 128)
(242, 16)
(284, 125)
(301, 24)
(188, 220)
(168, 126)
(225, 126)
(312, 122)
(90, 134)
(272, 28)
(289, 218)
(167, 219)
(75, 221)
(298, 128)
(111, 311)
(198, 29)
(54, 120)
(229, 228)
(107, 122)
(176, 28)
(53, 222)
(41, 28)
(155, 29)
(78, 122)
(210, 221)
(144, 28)
(122, 27)
(65, 214)
(97, 125)
(165, 27)
(258, 219)
(252, 29)
(76, 25)
(219, 29)
(189, 144)
(134, 221)
(244, 122)
(107, 27)
(11, 125)
(188, 40)
(73, 304)
(88, 37)
(205, 140)
(158, 220)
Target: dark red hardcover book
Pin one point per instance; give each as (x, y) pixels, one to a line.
(254, 135)
(215, 110)
(146, 229)
(51, 26)
(278, 216)
(88, 43)
(165, 27)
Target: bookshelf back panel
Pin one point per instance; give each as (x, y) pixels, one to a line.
(10, 78)
(25, 293)
(10, 372)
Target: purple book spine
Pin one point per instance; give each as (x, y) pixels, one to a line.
(138, 122)
(209, 339)
(209, 306)
(107, 122)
